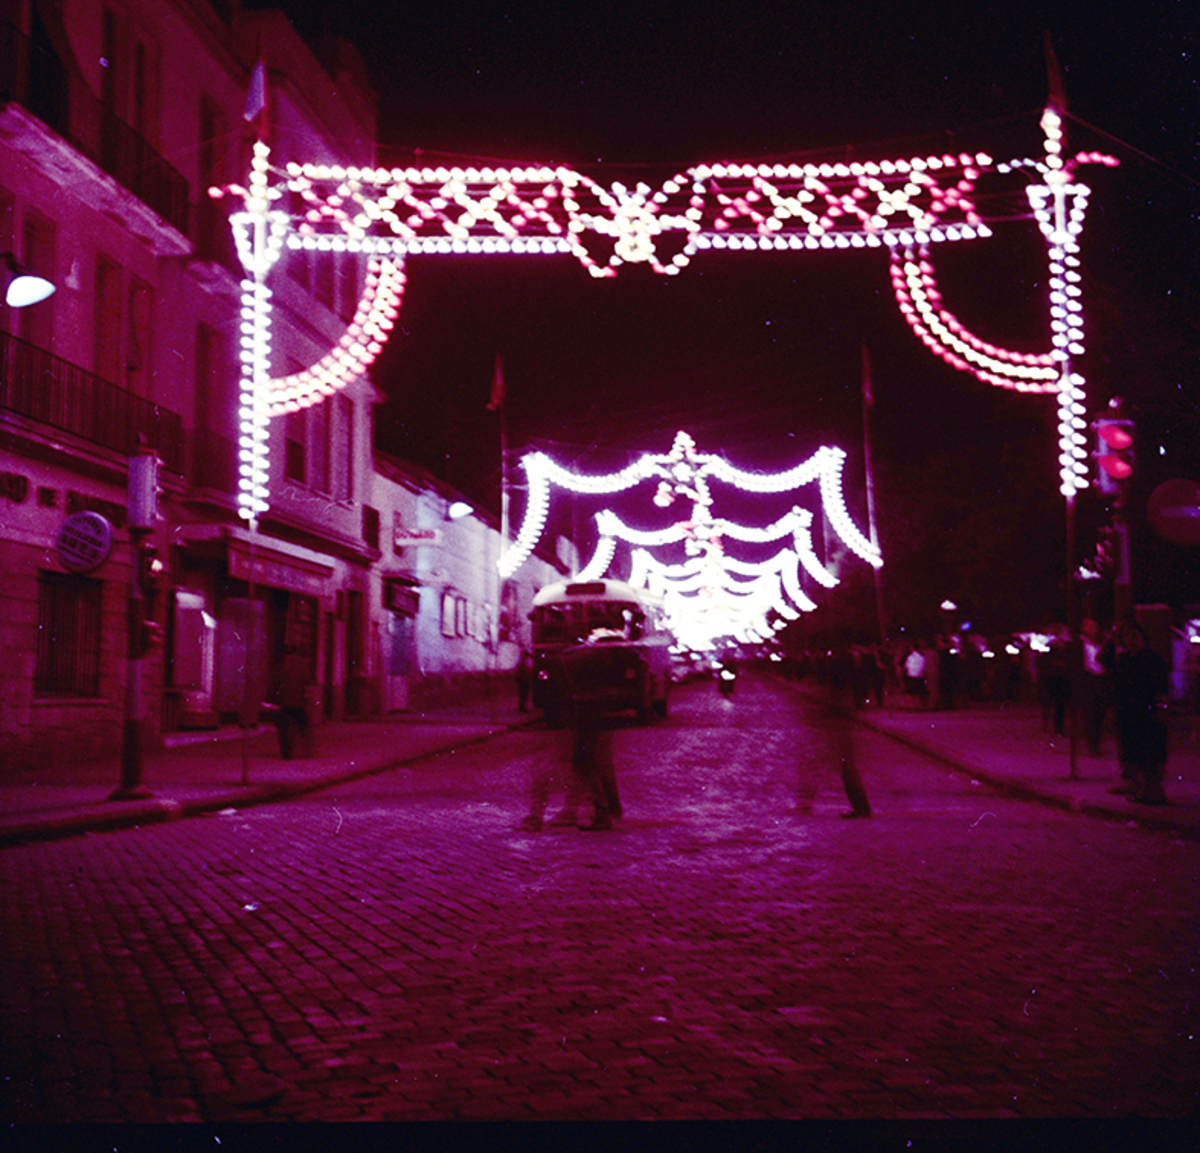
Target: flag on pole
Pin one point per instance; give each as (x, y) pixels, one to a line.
(868, 391)
(497, 397)
(1057, 92)
(256, 96)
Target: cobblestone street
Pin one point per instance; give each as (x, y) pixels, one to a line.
(396, 949)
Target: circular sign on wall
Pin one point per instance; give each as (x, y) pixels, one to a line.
(1174, 511)
(84, 541)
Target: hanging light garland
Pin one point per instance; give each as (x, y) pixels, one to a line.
(711, 589)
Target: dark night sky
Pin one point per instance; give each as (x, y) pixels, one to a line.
(759, 357)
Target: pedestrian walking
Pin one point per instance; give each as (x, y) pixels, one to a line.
(593, 760)
(1054, 679)
(915, 687)
(840, 723)
(524, 676)
(1098, 655)
(556, 772)
(843, 701)
(1141, 682)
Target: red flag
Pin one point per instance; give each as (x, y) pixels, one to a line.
(1057, 97)
(497, 398)
(256, 95)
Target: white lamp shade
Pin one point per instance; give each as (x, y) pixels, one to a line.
(25, 290)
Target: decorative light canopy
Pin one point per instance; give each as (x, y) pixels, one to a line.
(906, 206)
(711, 593)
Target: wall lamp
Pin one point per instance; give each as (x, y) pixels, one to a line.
(458, 509)
(22, 288)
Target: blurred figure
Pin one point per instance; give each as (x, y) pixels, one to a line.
(1098, 656)
(946, 677)
(295, 725)
(555, 773)
(1054, 677)
(1141, 682)
(843, 671)
(843, 702)
(915, 687)
(592, 759)
(524, 675)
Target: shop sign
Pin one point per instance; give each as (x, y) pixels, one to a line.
(84, 541)
(406, 536)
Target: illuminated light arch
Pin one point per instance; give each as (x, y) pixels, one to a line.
(711, 593)
(905, 205)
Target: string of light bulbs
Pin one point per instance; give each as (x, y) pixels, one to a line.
(906, 205)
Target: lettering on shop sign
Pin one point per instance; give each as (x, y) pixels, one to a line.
(409, 536)
(14, 486)
(264, 571)
(84, 541)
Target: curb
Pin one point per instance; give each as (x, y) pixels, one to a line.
(1152, 820)
(100, 817)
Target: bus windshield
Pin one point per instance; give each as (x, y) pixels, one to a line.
(575, 621)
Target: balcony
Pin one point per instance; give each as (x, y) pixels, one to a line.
(51, 390)
(32, 75)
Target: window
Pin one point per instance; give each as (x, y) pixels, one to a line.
(38, 255)
(8, 316)
(140, 316)
(295, 452)
(320, 446)
(449, 615)
(370, 526)
(68, 640)
(108, 319)
(215, 444)
(343, 462)
(214, 237)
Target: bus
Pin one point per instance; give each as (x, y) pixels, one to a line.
(599, 645)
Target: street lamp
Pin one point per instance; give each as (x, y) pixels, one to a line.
(22, 287)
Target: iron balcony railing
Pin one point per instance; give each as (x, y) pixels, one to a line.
(51, 390)
(31, 74)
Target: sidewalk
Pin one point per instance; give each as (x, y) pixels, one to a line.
(999, 745)
(1006, 746)
(210, 771)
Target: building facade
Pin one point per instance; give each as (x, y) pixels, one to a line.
(115, 121)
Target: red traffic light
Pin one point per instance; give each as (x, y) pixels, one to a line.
(1116, 466)
(1114, 452)
(1116, 436)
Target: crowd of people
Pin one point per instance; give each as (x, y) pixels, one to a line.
(1091, 675)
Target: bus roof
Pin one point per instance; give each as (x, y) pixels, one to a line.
(564, 592)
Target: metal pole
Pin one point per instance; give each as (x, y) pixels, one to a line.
(868, 402)
(131, 787)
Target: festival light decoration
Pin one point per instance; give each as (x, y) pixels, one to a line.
(906, 206)
(711, 593)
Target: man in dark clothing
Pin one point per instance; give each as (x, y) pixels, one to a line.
(1141, 682)
(294, 725)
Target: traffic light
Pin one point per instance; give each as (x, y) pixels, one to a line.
(1114, 452)
(150, 635)
(144, 490)
(150, 568)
